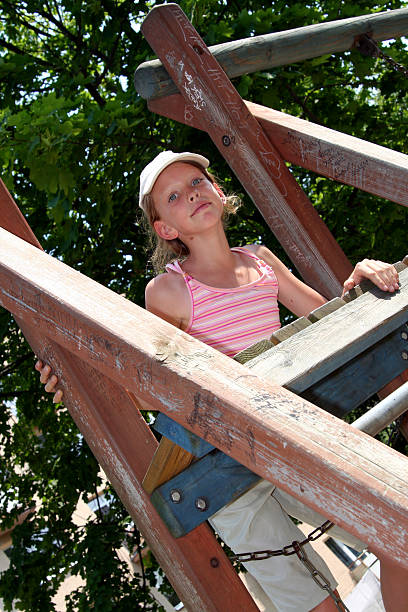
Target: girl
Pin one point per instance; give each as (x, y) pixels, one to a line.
(228, 298)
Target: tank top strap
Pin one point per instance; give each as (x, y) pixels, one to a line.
(175, 267)
(262, 265)
(246, 252)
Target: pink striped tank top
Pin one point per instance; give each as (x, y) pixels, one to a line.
(230, 320)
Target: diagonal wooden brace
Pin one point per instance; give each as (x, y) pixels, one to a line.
(124, 445)
(247, 149)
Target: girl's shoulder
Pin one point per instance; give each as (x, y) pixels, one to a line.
(166, 295)
(164, 284)
(262, 252)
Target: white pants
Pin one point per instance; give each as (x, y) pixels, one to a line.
(258, 521)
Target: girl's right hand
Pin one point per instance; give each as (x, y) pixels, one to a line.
(49, 381)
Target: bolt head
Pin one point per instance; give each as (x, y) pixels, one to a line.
(201, 504)
(404, 355)
(404, 335)
(175, 496)
(226, 140)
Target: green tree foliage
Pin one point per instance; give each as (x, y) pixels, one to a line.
(74, 136)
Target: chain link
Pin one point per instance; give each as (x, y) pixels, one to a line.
(296, 548)
(319, 578)
(290, 549)
(368, 46)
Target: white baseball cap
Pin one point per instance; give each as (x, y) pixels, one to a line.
(159, 163)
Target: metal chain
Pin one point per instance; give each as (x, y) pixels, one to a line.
(296, 548)
(319, 578)
(368, 46)
(290, 549)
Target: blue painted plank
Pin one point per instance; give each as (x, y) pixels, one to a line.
(362, 377)
(181, 436)
(216, 480)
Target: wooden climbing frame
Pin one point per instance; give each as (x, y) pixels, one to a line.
(111, 357)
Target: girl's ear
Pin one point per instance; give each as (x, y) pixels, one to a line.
(220, 192)
(165, 231)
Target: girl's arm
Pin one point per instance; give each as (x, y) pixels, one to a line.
(301, 299)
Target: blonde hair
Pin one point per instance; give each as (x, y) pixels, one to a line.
(165, 251)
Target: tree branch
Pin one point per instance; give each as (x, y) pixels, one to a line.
(301, 103)
(19, 51)
(13, 366)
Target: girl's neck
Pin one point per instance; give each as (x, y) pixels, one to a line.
(209, 253)
(212, 263)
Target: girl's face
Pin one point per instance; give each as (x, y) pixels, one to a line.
(186, 202)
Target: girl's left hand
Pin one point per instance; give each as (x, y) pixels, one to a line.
(382, 274)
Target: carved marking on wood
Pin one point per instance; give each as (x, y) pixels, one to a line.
(199, 416)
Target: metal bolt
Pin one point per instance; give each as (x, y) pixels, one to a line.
(226, 140)
(404, 355)
(214, 562)
(201, 504)
(175, 496)
(404, 335)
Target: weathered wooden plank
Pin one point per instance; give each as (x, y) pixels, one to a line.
(191, 497)
(253, 351)
(181, 436)
(250, 154)
(288, 330)
(281, 48)
(204, 488)
(343, 158)
(400, 265)
(358, 482)
(123, 444)
(313, 353)
(326, 309)
(168, 461)
(362, 377)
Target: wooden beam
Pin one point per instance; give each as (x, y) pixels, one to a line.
(281, 48)
(316, 351)
(12, 219)
(123, 444)
(358, 482)
(247, 149)
(343, 158)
